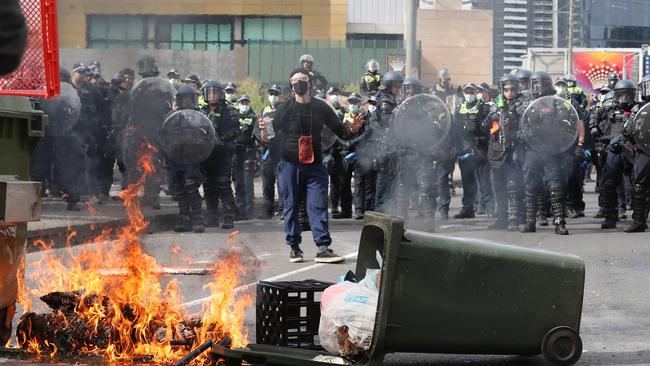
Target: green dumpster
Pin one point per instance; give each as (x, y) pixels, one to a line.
(462, 296)
(21, 127)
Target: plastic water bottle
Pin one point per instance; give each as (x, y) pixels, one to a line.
(270, 133)
(266, 155)
(351, 156)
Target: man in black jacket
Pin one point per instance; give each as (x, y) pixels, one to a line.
(299, 123)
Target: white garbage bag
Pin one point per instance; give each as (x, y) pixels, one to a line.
(347, 319)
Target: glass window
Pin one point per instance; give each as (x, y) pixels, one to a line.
(272, 29)
(194, 33)
(116, 31)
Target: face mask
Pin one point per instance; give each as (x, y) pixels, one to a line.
(231, 97)
(560, 90)
(301, 87)
(274, 99)
(372, 108)
(244, 108)
(470, 98)
(479, 96)
(354, 108)
(334, 99)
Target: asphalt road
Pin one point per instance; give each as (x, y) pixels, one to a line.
(616, 313)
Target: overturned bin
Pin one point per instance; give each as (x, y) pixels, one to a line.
(461, 296)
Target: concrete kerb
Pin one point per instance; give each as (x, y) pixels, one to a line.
(88, 231)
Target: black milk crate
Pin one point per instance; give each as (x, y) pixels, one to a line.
(288, 313)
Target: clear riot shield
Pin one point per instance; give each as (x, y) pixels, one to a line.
(550, 125)
(421, 122)
(188, 137)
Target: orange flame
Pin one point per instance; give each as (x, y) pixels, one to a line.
(143, 318)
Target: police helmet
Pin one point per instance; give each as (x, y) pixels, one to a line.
(243, 98)
(624, 92)
(571, 80)
(508, 79)
(412, 86)
(306, 57)
(372, 100)
(390, 78)
(561, 81)
(372, 65)
(173, 73)
(609, 96)
(194, 79)
(612, 79)
(212, 91)
(147, 66)
(354, 98)
(274, 90)
(230, 87)
(523, 76)
(187, 97)
(644, 88)
(541, 84)
(444, 74)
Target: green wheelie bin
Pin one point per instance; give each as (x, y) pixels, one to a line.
(459, 296)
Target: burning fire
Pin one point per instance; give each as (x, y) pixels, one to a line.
(130, 317)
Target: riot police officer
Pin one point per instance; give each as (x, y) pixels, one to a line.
(245, 159)
(231, 93)
(443, 89)
(540, 168)
(523, 77)
(119, 98)
(619, 151)
(612, 80)
(576, 92)
(505, 154)
(469, 126)
(217, 169)
(360, 168)
(378, 139)
(318, 80)
(641, 172)
(575, 205)
(416, 173)
(185, 179)
(174, 78)
(371, 79)
(270, 155)
(335, 165)
(597, 116)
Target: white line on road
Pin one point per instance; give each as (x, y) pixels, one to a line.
(274, 278)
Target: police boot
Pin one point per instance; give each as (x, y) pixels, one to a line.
(515, 210)
(600, 213)
(184, 220)
(465, 213)
(609, 200)
(541, 219)
(638, 210)
(197, 215)
(228, 216)
(212, 217)
(558, 209)
(571, 213)
(530, 209)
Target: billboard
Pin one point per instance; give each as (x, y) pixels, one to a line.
(593, 68)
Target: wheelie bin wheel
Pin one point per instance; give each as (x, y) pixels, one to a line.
(562, 346)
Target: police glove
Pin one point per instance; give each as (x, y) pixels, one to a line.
(616, 144)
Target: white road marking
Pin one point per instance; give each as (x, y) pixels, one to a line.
(196, 302)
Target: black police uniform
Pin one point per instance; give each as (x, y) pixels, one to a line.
(370, 83)
(217, 168)
(640, 180)
(269, 164)
(469, 125)
(379, 139)
(244, 164)
(505, 155)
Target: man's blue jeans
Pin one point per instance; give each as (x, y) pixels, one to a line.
(297, 180)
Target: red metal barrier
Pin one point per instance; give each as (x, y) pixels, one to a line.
(38, 73)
